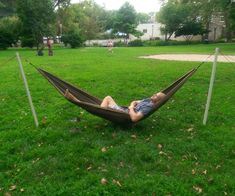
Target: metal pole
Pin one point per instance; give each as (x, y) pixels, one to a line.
(211, 86)
(27, 90)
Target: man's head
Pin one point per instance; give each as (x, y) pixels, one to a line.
(157, 97)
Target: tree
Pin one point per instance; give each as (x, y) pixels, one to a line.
(125, 20)
(142, 17)
(37, 18)
(7, 8)
(172, 15)
(190, 28)
(61, 3)
(227, 7)
(206, 10)
(73, 38)
(90, 17)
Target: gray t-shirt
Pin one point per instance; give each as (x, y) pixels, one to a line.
(145, 106)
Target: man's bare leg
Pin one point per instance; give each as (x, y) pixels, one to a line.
(107, 102)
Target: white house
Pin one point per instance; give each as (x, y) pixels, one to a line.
(149, 30)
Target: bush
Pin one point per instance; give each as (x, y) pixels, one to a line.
(169, 43)
(73, 38)
(9, 28)
(135, 43)
(27, 42)
(6, 39)
(119, 44)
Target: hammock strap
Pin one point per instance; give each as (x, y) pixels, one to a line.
(7, 61)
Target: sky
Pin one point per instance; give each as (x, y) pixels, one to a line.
(139, 5)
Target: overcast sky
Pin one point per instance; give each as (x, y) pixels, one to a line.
(140, 5)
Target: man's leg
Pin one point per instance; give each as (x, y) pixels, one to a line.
(107, 102)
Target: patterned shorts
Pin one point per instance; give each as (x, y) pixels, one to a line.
(119, 108)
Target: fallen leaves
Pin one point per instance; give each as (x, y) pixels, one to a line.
(190, 129)
(22, 190)
(12, 188)
(133, 136)
(204, 172)
(193, 171)
(36, 160)
(116, 182)
(40, 144)
(162, 153)
(104, 149)
(159, 146)
(103, 181)
(197, 189)
(89, 168)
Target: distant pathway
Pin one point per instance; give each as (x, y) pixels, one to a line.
(190, 57)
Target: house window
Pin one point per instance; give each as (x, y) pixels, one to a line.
(145, 31)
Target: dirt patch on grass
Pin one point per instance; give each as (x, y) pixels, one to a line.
(190, 57)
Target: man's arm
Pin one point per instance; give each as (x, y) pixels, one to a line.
(135, 116)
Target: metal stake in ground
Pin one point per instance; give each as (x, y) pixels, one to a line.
(27, 90)
(211, 86)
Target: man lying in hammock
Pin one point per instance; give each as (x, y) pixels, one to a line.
(137, 109)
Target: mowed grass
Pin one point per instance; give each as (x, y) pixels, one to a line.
(170, 153)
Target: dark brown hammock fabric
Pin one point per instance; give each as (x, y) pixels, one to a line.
(92, 104)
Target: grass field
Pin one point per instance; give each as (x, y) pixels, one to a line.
(170, 153)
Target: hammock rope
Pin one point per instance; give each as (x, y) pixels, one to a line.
(227, 58)
(7, 61)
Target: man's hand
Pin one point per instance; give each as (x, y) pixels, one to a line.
(134, 103)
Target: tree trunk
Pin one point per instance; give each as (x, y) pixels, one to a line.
(206, 37)
(165, 36)
(169, 36)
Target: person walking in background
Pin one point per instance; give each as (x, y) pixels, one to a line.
(49, 45)
(110, 46)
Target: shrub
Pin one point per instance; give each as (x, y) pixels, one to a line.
(9, 28)
(136, 42)
(169, 43)
(119, 44)
(73, 38)
(27, 42)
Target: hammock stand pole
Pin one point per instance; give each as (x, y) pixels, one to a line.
(27, 90)
(211, 86)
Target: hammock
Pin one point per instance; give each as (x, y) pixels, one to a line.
(92, 104)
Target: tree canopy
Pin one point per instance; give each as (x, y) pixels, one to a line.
(125, 20)
(37, 18)
(193, 17)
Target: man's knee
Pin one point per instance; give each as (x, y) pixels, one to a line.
(108, 97)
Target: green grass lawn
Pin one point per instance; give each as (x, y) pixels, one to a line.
(170, 153)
